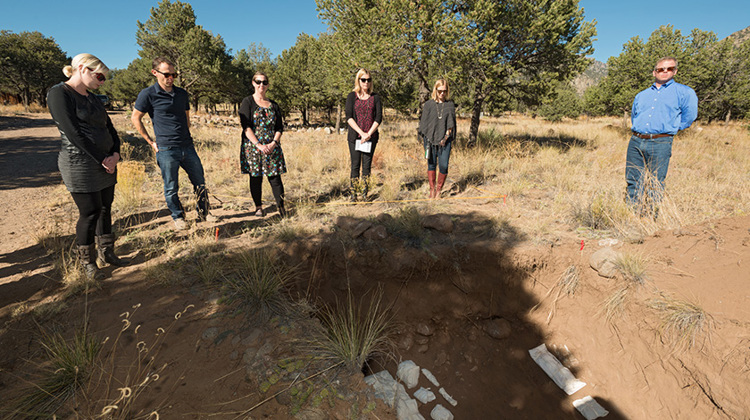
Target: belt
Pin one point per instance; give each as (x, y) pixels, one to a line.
(651, 136)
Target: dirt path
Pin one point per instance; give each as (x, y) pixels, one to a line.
(29, 144)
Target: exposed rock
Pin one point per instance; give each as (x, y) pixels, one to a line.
(423, 348)
(424, 395)
(408, 373)
(441, 358)
(447, 397)
(425, 329)
(441, 413)
(210, 333)
(603, 261)
(384, 218)
(377, 232)
(430, 377)
(346, 222)
(360, 228)
(439, 222)
(384, 385)
(328, 130)
(252, 338)
(498, 329)
(406, 342)
(249, 355)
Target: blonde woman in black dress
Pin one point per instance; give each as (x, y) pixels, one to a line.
(364, 114)
(88, 158)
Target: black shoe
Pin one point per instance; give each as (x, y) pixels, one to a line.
(87, 258)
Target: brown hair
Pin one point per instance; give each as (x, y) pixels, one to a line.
(158, 60)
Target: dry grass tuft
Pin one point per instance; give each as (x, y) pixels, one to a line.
(682, 322)
(353, 333)
(614, 306)
(259, 282)
(633, 268)
(131, 180)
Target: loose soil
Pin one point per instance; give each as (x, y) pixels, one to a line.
(447, 291)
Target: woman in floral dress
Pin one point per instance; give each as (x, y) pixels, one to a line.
(261, 153)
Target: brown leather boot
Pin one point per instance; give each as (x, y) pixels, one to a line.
(87, 258)
(440, 183)
(431, 180)
(106, 255)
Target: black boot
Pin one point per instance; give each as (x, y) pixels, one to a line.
(87, 257)
(106, 254)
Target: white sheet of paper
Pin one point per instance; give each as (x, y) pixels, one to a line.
(365, 147)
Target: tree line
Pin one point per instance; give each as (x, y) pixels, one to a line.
(510, 55)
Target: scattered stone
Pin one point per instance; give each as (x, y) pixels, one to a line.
(447, 397)
(498, 329)
(424, 395)
(252, 337)
(210, 333)
(328, 130)
(590, 408)
(555, 370)
(441, 413)
(384, 385)
(346, 222)
(439, 222)
(236, 340)
(441, 358)
(408, 373)
(312, 414)
(234, 355)
(423, 348)
(249, 356)
(430, 377)
(384, 218)
(603, 261)
(422, 340)
(360, 228)
(608, 242)
(267, 348)
(406, 342)
(408, 410)
(378, 232)
(425, 329)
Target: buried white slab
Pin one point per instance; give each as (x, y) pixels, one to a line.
(555, 370)
(590, 408)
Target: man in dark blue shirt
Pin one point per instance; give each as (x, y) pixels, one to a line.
(659, 112)
(169, 109)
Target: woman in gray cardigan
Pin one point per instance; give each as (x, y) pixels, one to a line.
(88, 158)
(437, 128)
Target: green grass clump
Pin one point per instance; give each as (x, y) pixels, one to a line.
(259, 282)
(351, 333)
(632, 267)
(69, 366)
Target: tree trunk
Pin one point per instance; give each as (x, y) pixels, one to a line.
(305, 123)
(476, 113)
(338, 116)
(728, 117)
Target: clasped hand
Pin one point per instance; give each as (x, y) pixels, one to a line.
(110, 163)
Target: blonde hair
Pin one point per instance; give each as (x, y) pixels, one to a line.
(357, 85)
(86, 60)
(441, 83)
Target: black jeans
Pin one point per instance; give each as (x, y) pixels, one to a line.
(361, 158)
(256, 190)
(94, 214)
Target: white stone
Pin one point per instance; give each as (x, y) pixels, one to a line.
(430, 377)
(447, 397)
(555, 370)
(589, 408)
(408, 373)
(328, 130)
(424, 395)
(441, 413)
(406, 408)
(385, 387)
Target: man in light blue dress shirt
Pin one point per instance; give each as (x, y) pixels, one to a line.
(659, 112)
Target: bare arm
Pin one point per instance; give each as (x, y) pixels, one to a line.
(137, 120)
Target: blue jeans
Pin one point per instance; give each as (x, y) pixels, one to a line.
(170, 159)
(438, 157)
(647, 160)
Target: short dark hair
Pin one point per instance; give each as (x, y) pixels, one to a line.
(158, 60)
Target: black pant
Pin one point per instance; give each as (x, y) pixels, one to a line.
(256, 189)
(365, 159)
(94, 214)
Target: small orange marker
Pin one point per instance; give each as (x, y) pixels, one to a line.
(217, 234)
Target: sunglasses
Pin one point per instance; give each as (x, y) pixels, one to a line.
(167, 75)
(100, 77)
(261, 82)
(442, 90)
(664, 69)
(365, 80)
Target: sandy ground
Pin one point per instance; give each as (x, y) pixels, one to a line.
(446, 302)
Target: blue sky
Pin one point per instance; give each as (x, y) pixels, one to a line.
(107, 28)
